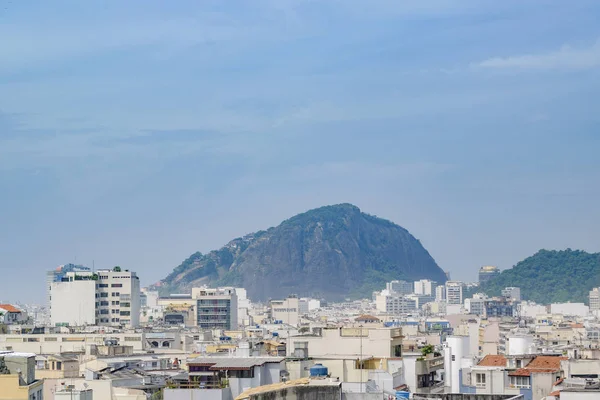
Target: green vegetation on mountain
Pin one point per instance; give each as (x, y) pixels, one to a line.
(331, 252)
(551, 276)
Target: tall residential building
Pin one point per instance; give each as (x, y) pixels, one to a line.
(57, 274)
(454, 292)
(395, 304)
(105, 297)
(488, 272)
(216, 308)
(512, 293)
(425, 287)
(440, 293)
(400, 287)
(287, 311)
(595, 299)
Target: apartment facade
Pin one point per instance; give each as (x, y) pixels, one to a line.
(594, 299)
(105, 297)
(286, 311)
(454, 292)
(216, 308)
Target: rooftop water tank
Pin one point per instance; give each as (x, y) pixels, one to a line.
(318, 370)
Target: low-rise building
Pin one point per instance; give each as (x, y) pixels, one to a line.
(17, 377)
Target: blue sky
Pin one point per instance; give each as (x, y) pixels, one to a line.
(135, 133)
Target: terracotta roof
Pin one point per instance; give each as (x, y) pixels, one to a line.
(520, 372)
(577, 326)
(545, 363)
(555, 393)
(493, 361)
(9, 308)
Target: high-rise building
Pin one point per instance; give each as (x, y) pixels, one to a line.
(512, 293)
(286, 311)
(488, 272)
(216, 308)
(454, 292)
(105, 297)
(395, 304)
(425, 287)
(440, 293)
(57, 274)
(595, 299)
(400, 287)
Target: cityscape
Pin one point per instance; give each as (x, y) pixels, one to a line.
(101, 335)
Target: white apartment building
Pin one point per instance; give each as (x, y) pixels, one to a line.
(454, 292)
(440, 293)
(306, 305)
(394, 304)
(512, 293)
(425, 287)
(572, 309)
(595, 299)
(286, 311)
(216, 308)
(399, 287)
(475, 305)
(114, 296)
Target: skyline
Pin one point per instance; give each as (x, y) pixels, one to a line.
(136, 134)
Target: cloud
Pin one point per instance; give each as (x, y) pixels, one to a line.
(565, 58)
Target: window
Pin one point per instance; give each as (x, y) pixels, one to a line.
(127, 313)
(480, 380)
(519, 364)
(453, 357)
(103, 294)
(116, 294)
(103, 303)
(102, 285)
(116, 285)
(115, 303)
(519, 381)
(125, 304)
(103, 311)
(58, 365)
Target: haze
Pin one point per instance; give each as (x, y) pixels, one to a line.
(136, 133)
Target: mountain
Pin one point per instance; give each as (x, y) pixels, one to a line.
(331, 252)
(551, 276)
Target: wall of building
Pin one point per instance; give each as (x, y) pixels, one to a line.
(197, 394)
(73, 303)
(52, 344)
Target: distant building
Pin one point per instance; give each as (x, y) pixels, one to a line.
(395, 304)
(216, 308)
(10, 314)
(425, 287)
(595, 299)
(475, 305)
(571, 309)
(105, 297)
(57, 274)
(512, 293)
(286, 311)
(499, 307)
(488, 272)
(440, 293)
(400, 287)
(454, 292)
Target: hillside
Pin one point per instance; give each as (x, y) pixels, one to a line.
(331, 252)
(551, 276)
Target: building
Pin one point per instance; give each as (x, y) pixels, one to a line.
(17, 377)
(216, 308)
(286, 311)
(224, 377)
(10, 314)
(498, 307)
(57, 274)
(440, 293)
(400, 287)
(475, 305)
(105, 297)
(394, 304)
(595, 299)
(454, 292)
(512, 293)
(306, 305)
(571, 309)
(303, 388)
(488, 272)
(425, 287)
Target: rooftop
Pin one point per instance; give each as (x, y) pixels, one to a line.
(233, 363)
(283, 385)
(9, 308)
(493, 361)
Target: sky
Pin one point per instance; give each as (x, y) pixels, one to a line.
(137, 132)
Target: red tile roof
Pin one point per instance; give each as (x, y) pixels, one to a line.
(556, 393)
(366, 318)
(558, 382)
(545, 364)
(493, 361)
(520, 372)
(9, 308)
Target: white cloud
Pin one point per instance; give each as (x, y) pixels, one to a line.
(565, 58)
